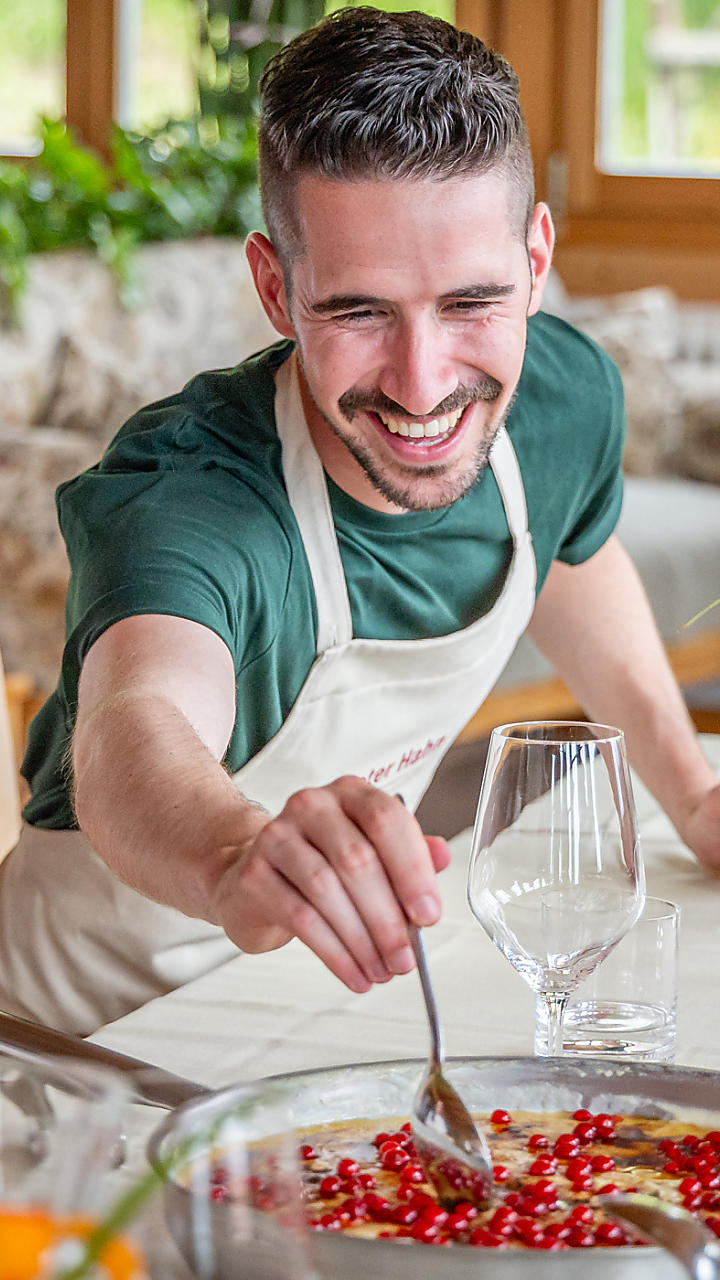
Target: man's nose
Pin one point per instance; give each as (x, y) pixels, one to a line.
(419, 372)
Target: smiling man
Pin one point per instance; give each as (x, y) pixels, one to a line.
(294, 581)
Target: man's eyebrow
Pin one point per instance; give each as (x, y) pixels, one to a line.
(346, 302)
(356, 301)
(481, 292)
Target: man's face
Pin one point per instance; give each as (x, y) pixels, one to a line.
(409, 306)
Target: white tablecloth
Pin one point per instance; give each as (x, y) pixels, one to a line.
(259, 1015)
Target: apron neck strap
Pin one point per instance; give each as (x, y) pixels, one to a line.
(309, 499)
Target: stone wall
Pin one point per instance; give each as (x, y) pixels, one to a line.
(69, 378)
(81, 364)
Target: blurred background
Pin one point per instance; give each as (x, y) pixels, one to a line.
(127, 186)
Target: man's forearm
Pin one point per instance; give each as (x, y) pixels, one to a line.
(156, 805)
(594, 622)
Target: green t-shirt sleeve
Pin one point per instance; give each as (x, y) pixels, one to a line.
(166, 542)
(568, 428)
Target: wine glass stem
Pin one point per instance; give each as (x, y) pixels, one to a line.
(555, 1004)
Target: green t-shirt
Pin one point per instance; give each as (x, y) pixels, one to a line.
(187, 514)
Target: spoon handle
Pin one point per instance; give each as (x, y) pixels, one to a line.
(436, 1042)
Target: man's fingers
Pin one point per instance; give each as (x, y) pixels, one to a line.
(400, 845)
(266, 897)
(334, 867)
(439, 852)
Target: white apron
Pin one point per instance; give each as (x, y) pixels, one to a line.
(387, 710)
(78, 948)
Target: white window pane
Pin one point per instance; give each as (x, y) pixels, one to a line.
(32, 68)
(659, 86)
(158, 57)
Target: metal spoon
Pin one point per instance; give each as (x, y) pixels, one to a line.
(453, 1153)
(676, 1230)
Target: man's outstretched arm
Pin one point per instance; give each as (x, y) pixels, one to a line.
(341, 867)
(594, 623)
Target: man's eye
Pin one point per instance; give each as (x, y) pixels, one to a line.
(357, 317)
(469, 306)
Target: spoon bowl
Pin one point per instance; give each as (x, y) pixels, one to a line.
(453, 1153)
(677, 1231)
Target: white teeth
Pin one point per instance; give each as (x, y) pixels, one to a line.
(422, 430)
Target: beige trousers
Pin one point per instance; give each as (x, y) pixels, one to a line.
(78, 948)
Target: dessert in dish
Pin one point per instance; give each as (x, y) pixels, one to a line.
(551, 1169)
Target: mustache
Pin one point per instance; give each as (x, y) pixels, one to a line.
(486, 389)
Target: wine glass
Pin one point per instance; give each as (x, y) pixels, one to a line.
(556, 876)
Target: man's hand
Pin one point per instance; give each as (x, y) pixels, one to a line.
(701, 831)
(343, 868)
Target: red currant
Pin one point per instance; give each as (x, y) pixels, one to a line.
(501, 1117)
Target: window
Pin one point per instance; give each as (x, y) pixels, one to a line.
(32, 69)
(659, 88)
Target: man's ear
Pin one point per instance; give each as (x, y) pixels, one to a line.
(541, 241)
(269, 282)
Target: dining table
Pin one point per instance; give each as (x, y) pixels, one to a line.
(284, 1012)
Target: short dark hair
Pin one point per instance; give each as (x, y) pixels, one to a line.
(370, 94)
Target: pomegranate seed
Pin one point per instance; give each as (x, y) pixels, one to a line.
(544, 1164)
(581, 1213)
(689, 1186)
(481, 1237)
(548, 1242)
(330, 1185)
(560, 1230)
(566, 1146)
(421, 1199)
(714, 1137)
(691, 1202)
(500, 1173)
(219, 1193)
(581, 1238)
(457, 1222)
(602, 1164)
(347, 1168)
(610, 1233)
(307, 1152)
(690, 1140)
(542, 1190)
(669, 1148)
(435, 1214)
(537, 1142)
(366, 1180)
(501, 1117)
(377, 1206)
(406, 1127)
(404, 1214)
(395, 1160)
(609, 1189)
(424, 1231)
(412, 1173)
(388, 1145)
(578, 1167)
(380, 1138)
(585, 1131)
(582, 1114)
(710, 1200)
(583, 1183)
(714, 1225)
(512, 1199)
(672, 1167)
(329, 1222)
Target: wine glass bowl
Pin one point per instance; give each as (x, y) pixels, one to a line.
(556, 876)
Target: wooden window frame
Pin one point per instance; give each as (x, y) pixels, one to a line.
(91, 61)
(614, 232)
